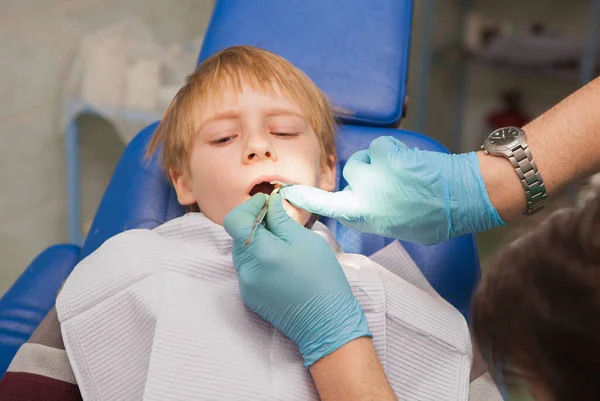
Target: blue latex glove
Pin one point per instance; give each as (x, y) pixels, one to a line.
(408, 194)
(290, 276)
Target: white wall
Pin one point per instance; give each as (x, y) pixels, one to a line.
(37, 41)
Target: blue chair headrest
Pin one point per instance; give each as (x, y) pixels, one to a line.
(356, 52)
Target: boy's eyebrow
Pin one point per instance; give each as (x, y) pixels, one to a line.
(222, 115)
(282, 112)
(231, 114)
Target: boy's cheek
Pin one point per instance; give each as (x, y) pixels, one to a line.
(300, 216)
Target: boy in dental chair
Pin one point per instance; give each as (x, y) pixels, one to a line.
(156, 314)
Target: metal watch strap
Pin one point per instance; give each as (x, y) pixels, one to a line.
(532, 181)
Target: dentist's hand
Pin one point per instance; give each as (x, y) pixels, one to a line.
(408, 194)
(290, 276)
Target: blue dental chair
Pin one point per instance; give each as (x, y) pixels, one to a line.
(357, 52)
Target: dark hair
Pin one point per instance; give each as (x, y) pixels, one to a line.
(536, 314)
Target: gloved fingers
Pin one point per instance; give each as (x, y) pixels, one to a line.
(239, 222)
(361, 156)
(357, 167)
(279, 223)
(383, 148)
(342, 204)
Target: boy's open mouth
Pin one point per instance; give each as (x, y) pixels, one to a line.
(264, 187)
(267, 186)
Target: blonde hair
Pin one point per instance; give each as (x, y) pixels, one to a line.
(232, 68)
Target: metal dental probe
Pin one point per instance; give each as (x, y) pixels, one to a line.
(263, 213)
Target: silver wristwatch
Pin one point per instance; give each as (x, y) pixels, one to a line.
(510, 142)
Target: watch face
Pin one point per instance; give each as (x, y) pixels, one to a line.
(503, 136)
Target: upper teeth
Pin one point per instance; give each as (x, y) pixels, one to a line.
(276, 186)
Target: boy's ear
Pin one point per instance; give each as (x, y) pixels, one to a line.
(328, 173)
(185, 196)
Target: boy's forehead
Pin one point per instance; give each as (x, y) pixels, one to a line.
(228, 100)
(230, 92)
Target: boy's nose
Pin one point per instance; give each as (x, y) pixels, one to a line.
(259, 149)
(256, 155)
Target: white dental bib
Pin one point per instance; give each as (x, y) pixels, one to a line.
(157, 315)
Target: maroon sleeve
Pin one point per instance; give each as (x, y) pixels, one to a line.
(40, 371)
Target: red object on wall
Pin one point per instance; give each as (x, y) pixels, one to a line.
(511, 113)
(507, 118)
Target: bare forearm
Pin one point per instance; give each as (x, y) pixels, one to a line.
(565, 143)
(352, 373)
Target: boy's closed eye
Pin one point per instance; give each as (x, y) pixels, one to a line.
(286, 134)
(223, 140)
(229, 138)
